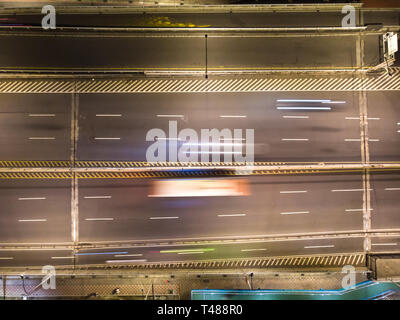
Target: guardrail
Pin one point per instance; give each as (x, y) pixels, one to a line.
(188, 29)
(164, 170)
(357, 259)
(336, 260)
(184, 83)
(390, 233)
(151, 7)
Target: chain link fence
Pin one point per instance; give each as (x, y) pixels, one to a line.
(166, 285)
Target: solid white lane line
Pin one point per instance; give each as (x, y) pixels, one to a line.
(398, 131)
(392, 189)
(32, 220)
(108, 115)
(221, 144)
(42, 138)
(374, 118)
(295, 212)
(170, 116)
(232, 139)
(334, 102)
(99, 219)
(304, 108)
(316, 247)
(294, 191)
(42, 115)
(302, 100)
(126, 261)
(6, 258)
(232, 215)
(357, 210)
(128, 255)
(285, 139)
(348, 190)
(162, 218)
(248, 250)
(193, 252)
(232, 116)
(177, 139)
(384, 244)
(71, 257)
(215, 152)
(295, 117)
(97, 197)
(374, 140)
(102, 138)
(38, 198)
(398, 123)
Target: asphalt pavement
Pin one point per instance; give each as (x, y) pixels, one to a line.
(384, 124)
(38, 211)
(315, 132)
(35, 127)
(125, 210)
(35, 211)
(114, 126)
(183, 51)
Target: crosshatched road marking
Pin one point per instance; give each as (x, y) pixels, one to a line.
(238, 84)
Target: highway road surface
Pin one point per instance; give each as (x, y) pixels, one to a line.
(184, 51)
(114, 210)
(149, 254)
(37, 127)
(38, 211)
(114, 126)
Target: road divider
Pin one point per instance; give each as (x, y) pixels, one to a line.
(243, 81)
(189, 170)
